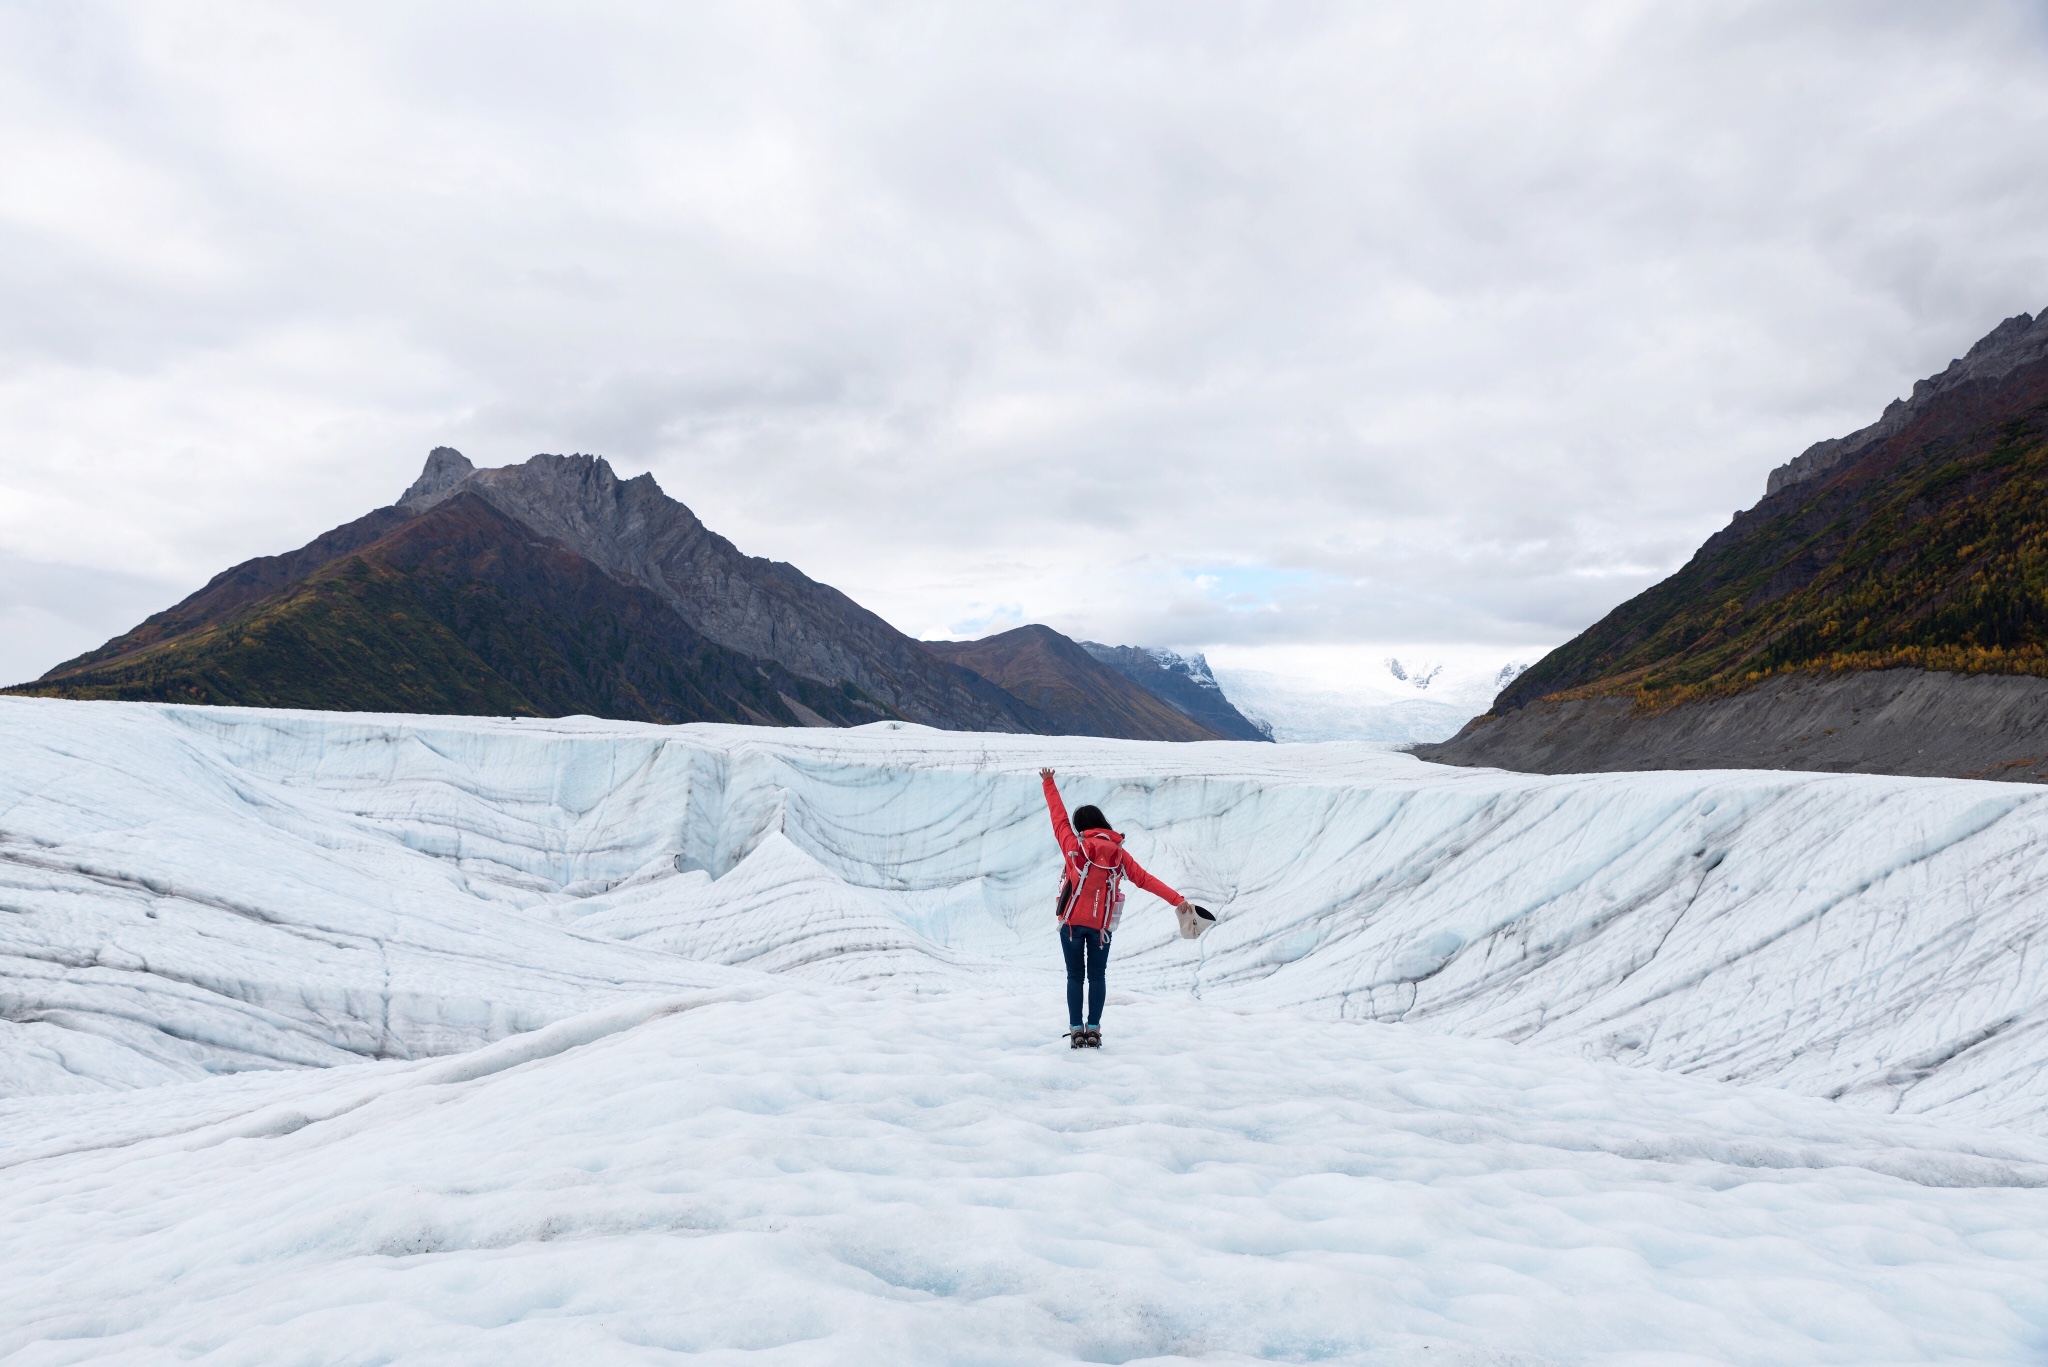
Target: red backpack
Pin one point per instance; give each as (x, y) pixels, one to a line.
(1074, 881)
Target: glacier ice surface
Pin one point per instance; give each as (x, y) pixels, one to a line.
(368, 1038)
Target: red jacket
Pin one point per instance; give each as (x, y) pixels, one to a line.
(1094, 857)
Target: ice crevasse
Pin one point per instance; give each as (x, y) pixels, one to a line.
(202, 890)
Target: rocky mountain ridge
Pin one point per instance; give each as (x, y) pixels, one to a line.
(1183, 682)
(1906, 558)
(764, 608)
(1067, 683)
(462, 610)
(2020, 340)
(553, 586)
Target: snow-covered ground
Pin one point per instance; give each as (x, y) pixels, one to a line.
(829, 1175)
(375, 1039)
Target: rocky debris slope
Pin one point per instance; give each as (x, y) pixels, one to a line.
(1883, 721)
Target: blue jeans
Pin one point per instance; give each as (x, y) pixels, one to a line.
(1087, 951)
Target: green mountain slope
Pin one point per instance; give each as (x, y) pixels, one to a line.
(459, 610)
(243, 584)
(1929, 550)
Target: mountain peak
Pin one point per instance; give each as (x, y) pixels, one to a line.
(1183, 682)
(633, 537)
(2004, 339)
(2018, 340)
(446, 467)
(639, 535)
(560, 476)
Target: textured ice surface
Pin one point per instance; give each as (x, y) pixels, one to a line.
(744, 1042)
(181, 894)
(832, 1175)
(199, 890)
(190, 890)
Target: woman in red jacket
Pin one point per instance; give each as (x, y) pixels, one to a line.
(1091, 901)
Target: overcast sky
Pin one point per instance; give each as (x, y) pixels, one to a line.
(1241, 325)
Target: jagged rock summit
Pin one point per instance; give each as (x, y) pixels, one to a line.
(446, 467)
(1883, 608)
(553, 586)
(764, 608)
(2020, 340)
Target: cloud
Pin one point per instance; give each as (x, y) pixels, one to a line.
(53, 612)
(1452, 323)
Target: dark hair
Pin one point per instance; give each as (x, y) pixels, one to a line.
(1090, 818)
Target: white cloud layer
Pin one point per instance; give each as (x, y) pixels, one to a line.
(1246, 325)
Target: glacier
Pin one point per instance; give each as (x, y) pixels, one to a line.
(364, 1038)
(1387, 692)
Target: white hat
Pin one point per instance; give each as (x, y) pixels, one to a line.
(1193, 919)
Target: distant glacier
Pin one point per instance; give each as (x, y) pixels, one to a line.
(1414, 697)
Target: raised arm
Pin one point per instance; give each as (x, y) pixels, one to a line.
(1062, 828)
(1150, 884)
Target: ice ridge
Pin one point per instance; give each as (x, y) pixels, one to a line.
(194, 891)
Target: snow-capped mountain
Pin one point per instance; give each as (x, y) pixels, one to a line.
(1182, 680)
(1074, 688)
(1362, 692)
(1422, 677)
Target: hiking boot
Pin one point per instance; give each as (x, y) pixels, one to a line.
(1077, 1038)
(1091, 1037)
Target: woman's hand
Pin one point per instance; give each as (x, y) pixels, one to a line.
(1045, 773)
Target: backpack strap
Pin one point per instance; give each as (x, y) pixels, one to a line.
(1070, 896)
(1113, 897)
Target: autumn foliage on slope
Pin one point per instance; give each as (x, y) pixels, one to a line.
(460, 610)
(1929, 551)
